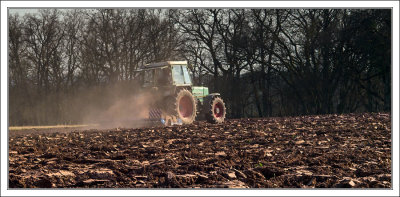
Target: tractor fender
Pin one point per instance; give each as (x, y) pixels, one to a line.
(210, 97)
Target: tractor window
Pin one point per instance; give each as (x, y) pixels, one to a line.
(186, 75)
(148, 78)
(163, 76)
(180, 75)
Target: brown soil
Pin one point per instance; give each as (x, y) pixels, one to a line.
(352, 150)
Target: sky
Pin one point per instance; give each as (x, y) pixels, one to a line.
(22, 11)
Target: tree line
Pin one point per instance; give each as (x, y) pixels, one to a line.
(265, 62)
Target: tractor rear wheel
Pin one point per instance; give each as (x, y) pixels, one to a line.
(215, 110)
(185, 106)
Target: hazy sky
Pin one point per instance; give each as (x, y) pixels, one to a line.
(22, 11)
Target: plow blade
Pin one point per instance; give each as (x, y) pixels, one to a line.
(163, 118)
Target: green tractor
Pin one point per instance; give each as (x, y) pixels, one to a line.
(175, 99)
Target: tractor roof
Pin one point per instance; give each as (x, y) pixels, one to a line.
(164, 64)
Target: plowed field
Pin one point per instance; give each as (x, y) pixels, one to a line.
(352, 150)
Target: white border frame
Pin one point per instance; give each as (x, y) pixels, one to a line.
(187, 4)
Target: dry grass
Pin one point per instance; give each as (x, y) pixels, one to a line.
(46, 127)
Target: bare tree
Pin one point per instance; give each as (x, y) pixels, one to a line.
(265, 62)
(73, 22)
(43, 39)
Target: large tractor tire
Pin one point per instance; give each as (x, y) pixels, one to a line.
(185, 106)
(215, 110)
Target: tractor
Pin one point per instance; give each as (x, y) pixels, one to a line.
(175, 99)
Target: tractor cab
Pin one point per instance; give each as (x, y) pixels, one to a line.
(170, 73)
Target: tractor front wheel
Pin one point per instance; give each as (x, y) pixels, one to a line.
(215, 110)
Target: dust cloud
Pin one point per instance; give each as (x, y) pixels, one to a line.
(121, 104)
(121, 111)
(124, 112)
